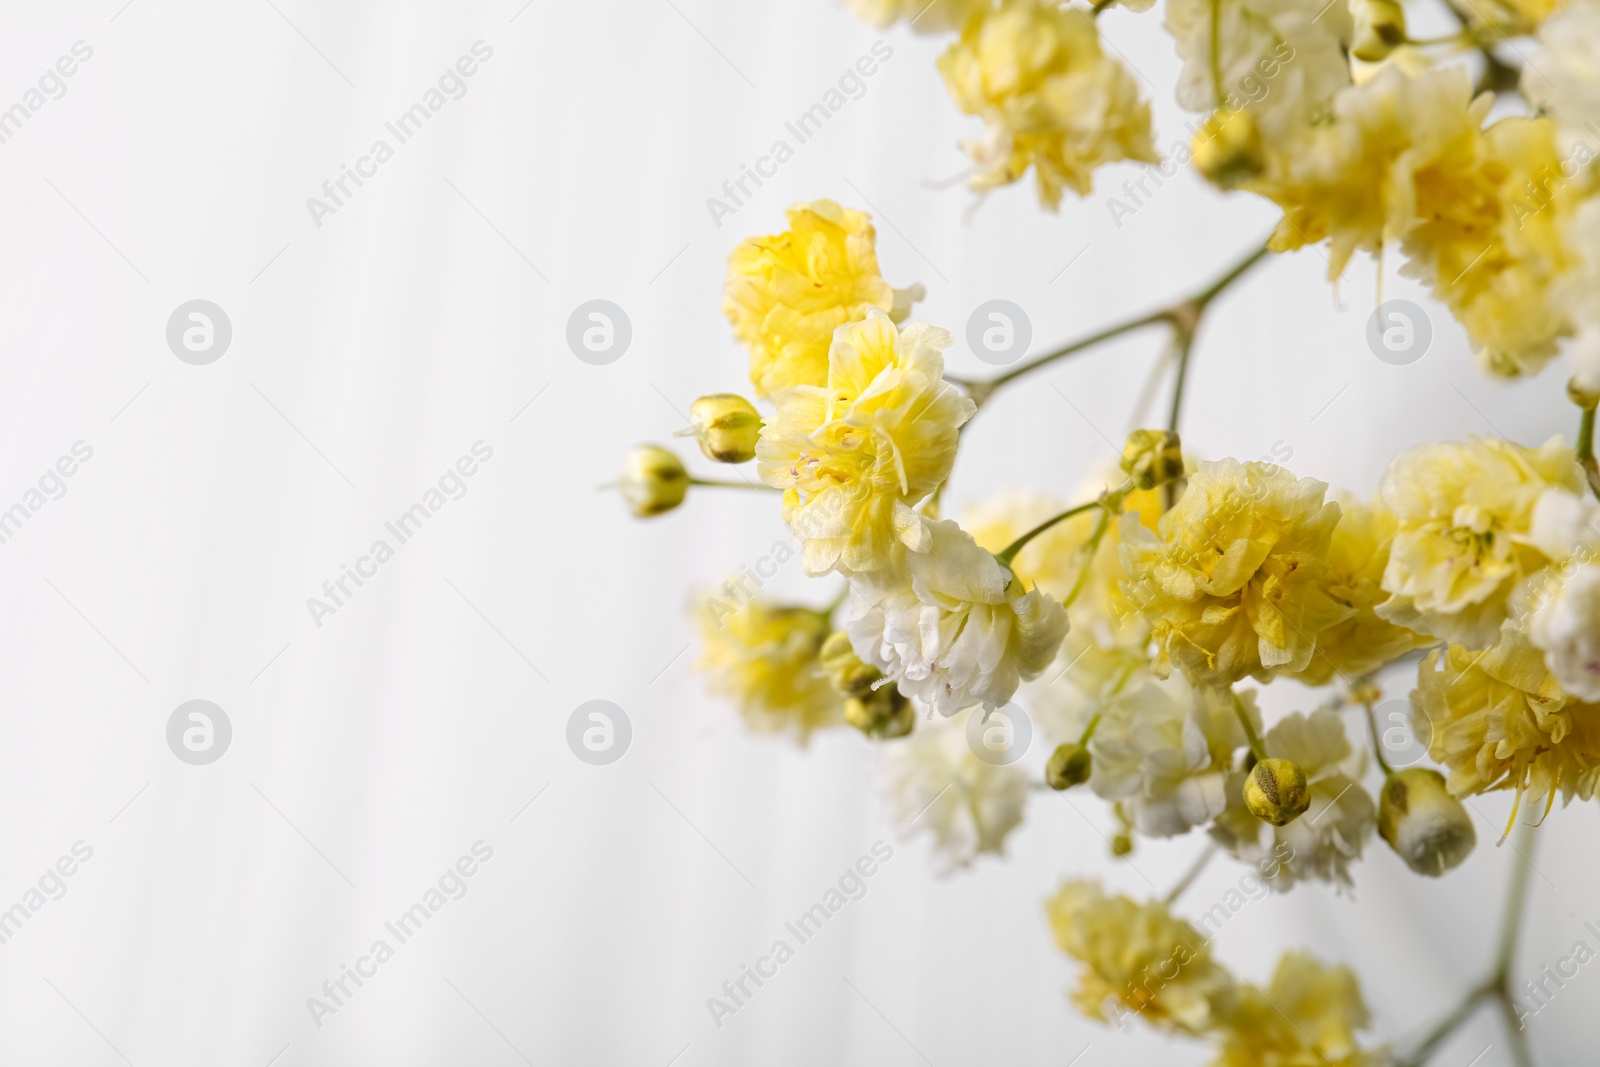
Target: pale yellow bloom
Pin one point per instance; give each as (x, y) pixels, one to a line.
(1233, 585)
(1500, 720)
(1464, 512)
(923, 16)
(1308, 1017)
(853, 456)
(1139, 960)
(787, 293)
(1052, 98)
(1357, 559)
(764, 658)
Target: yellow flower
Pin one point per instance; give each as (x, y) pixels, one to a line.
(1139, 959)
(923, 16)
(787, 293)
(764, 658)
(1308, 1018)
(853, 456)
(1464, 511)
(1233, 585)
(1051, 97)
(1357, 558)
(1500, 720)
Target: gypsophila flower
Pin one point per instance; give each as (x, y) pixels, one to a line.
(1308, 1017)
(764, 659)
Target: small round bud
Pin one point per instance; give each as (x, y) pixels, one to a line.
(1228, 149)
(1152, 458)
(849, 675)
(653, 481)
(1069, 765)
(1122, 844)
(1581, 395)
(882, 714)
(1380, 27)
(1276, 792)
(1422, 822)
(726, 425)
(1365, 691)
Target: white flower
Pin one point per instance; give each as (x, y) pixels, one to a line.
(1578, 291)
(1164, 752)
(1564, 79)
(1322, 843)
(1566, 627)
(952, 626)
(931, 781)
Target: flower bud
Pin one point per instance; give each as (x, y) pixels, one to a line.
(1422, 822)
(1228, 150)
(1582, 395)
(1069, 766)
(1122, 844)
(1276, 792)
(653, 481)
(726, 425)
(850, 676)
(882, 713)
(1152, 458)
(1380, 26)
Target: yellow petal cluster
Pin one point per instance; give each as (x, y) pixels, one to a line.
(787, 293)
(764, 659)
(1308, 1017)
(1139, 960)
(1463, 514)
(853, 455)
(1052, 99)
(1233, 585)
(1500, 720)
(1357, 559)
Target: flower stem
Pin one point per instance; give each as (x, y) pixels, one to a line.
(1256, 747)
(1181, 315)
(1090, 547)
(1377, 745)
(1447, 1026)
(1591, 470)
(718, 484)
(1108, 500)
(1516, 898)
(1191, 874)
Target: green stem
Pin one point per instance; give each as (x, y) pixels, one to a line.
(1090, 547)
(1447, 1026)
(1112, 498)
(1216, 54)
(1256, 747)
(1184, 343)
(1516, 898)
(715, 484)
(1586, 450)
(1191, 874)
(1377, 744)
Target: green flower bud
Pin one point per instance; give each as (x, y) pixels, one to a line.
(1227, 149)
(726, 425)
(1276, 792)
(1122, 844)
(1584, 397)
(653, 481)
(1380, 27)
(1069, 765)
(882, 714)
(850, 676)
(1152, 458)
(1422, 822)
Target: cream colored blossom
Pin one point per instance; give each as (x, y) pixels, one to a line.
(950, 625)
(1464, 512)
(854, 455)
(931, 782)
(922, 16)
(1500, 720)
(1328, 838)
(1308, 1017)
(1357, 559)
(1233, 584)
(1164, 751)
(1566, 628)
(787, 293)
(1052, 99)
(1139, 960)
(764, 659)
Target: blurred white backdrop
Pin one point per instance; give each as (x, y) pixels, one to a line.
(375, 345)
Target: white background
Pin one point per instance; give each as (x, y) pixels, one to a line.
(369, 353)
